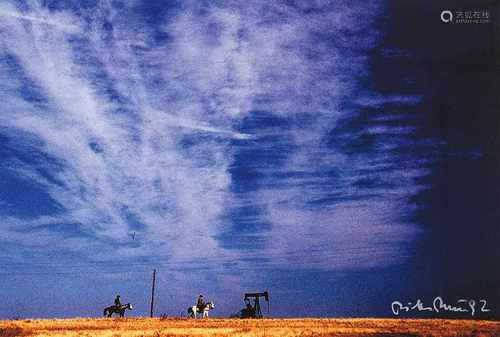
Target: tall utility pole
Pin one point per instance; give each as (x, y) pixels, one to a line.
(153, 293)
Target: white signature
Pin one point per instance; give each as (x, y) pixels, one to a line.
(438, 305)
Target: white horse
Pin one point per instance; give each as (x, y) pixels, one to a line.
(194, 309)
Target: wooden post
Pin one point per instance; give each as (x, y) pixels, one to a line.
(153, 293)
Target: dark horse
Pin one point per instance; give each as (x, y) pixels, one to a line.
(120, 310)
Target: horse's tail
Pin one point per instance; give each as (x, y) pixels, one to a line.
(104, 312)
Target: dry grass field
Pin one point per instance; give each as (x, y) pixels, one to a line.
(135, 327)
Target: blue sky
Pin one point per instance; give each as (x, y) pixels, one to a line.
(293, 146)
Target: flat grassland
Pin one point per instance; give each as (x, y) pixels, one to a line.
(155, 327)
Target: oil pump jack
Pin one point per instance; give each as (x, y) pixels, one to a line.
(254, 311)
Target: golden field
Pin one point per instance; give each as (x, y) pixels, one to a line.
(136, 327)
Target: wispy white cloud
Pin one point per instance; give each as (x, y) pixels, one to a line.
(376, 100)
(143, 131)
(59, 22)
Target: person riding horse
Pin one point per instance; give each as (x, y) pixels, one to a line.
(117, 308)
(200, 304)
(201, 307)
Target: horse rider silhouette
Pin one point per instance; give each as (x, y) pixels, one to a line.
(117, 308)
